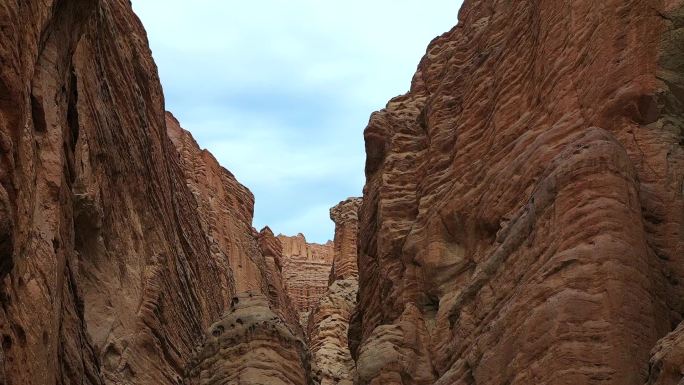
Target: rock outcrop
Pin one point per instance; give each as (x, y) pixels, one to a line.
(306, 269)
(250, 344)
(346, 218)
(327, 328)
(118, 246)
(523, 213)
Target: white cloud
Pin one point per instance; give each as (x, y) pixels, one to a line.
(280, 91)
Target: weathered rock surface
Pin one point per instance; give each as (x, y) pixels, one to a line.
(276, 289)
(346, 218)
(306, 269)
(523, 215)
(118, 246)
(297, 247)
(225, 209)
(327, 328)
(252, 345)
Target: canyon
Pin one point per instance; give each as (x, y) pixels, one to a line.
(522, 220)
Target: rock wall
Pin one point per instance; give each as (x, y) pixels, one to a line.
(118, 246)
(327, 327)
(522, 219)
(306, 269)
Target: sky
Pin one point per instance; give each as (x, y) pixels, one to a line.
(281, 90)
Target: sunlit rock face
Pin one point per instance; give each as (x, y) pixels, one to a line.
(327, 329)
(522, 219)
(121, 241)
(252, 345)
(306, 268)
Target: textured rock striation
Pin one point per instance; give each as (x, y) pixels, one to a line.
(306, 269)
(226, 208)
(522, 219)
(327, 328)
(252, 345)
(346, 218)
(119, 246)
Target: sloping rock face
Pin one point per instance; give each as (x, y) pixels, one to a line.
(276, 289)
(225, 209)
(252, 345)
(522, 220)
(331, 362)
(306, 269)
(118, 246)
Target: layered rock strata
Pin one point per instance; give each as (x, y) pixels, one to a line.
(252, 345)
(225, 209)
(523, 215)
(118, 246)
(346, 219)
(328, 324)
(306, 269)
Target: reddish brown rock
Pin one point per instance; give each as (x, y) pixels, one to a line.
(523, 215)
(345, 216)
(298, 248)
(331, 362)
(276, 289)
(250, 344)
(306, 268)
(225, 209)
(117, 248)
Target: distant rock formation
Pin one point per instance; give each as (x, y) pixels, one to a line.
(523, 214)
(306, 269)
(327, 328)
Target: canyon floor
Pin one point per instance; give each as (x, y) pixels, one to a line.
(522, 220)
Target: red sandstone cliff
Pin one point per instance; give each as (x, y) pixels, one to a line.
(523, 215)
(118, 246)
(306, 268)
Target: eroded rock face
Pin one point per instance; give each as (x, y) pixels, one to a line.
(523, 211)
(331, 361)
(252, 345)
(346, 218)
(118, 246)
(272, 251)
(306, 269)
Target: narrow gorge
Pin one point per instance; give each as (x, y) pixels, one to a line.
(522, 220)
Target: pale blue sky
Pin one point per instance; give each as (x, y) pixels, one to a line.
(280, 91)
